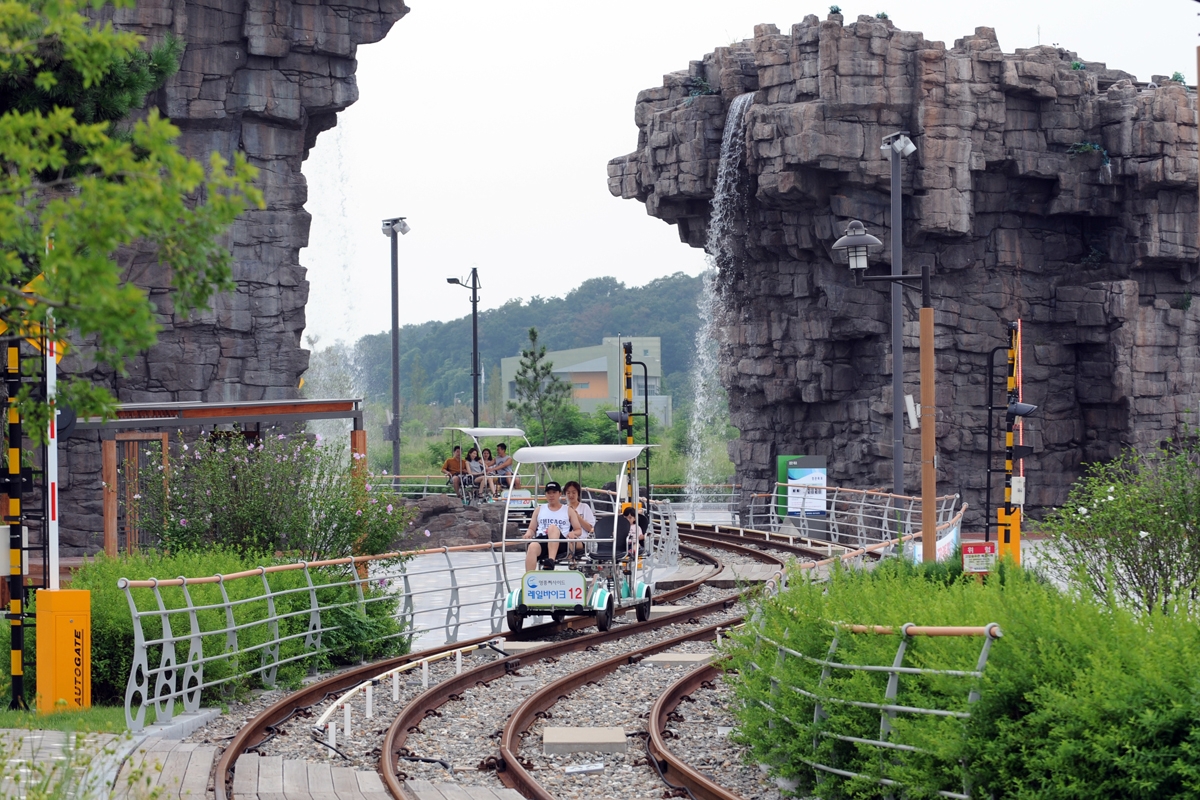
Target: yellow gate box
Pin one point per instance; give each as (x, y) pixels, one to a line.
(64, 650)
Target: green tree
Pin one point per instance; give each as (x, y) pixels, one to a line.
(495, 394)
(541, 395)
(79, 191)
(417, 380)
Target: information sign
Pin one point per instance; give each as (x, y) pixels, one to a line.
(552, 589)
(805, 481)
(979, 557)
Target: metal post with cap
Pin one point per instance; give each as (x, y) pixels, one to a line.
(392, 228)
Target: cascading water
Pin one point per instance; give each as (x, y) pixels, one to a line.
(707, 427)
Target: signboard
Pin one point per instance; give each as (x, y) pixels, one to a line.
(805, 480)
(518, 499)
(945, 545)
(979, 557)
(552, 589)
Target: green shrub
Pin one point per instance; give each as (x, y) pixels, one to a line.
(1078, 700)
(1129, 533)
(112, 625)
(279, 494)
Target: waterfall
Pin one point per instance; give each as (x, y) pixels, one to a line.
(709, 406)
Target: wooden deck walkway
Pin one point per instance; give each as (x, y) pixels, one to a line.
(170, 769)
(276, 778)
(424, 790)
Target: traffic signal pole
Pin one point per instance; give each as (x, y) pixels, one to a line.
(16, 553)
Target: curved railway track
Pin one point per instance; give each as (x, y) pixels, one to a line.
(507, 760)
(673, 768)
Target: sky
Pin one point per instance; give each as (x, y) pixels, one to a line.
(489, 125)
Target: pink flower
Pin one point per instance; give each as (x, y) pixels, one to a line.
(281, 437)
(427, 532)
(183, 523)
(368, 487)
(389, 508)
(358, 513)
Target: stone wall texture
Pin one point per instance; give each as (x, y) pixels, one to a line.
(263, 77)
(1098, 260)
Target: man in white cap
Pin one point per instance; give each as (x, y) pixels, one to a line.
(548, 524)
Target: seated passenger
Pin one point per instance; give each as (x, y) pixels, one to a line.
(636, 534)
(548, 524)
(492, 484)
(478, 473)
(503, 468)
(587, 517)
(456, 471)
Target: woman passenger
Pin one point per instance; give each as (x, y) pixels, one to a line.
(587, 517)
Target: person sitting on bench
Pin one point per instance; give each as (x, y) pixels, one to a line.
(547, 525)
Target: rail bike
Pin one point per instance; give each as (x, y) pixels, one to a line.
(594, 575)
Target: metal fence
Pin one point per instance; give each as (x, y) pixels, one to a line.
(280, 614)
(819, 697)
(852, 517)
(707, 502)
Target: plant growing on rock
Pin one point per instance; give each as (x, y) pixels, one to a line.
(278, 494)
(1177, 76)
(1084, 148)
(1077, 65)
(835, 9)
(1130, 530)
(881, 15)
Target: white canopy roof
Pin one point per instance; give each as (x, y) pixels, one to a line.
(604, 453)
(477, 433)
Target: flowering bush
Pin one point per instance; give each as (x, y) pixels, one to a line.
(1130, 530)
(280, 493)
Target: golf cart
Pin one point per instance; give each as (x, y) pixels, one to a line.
(520, 500)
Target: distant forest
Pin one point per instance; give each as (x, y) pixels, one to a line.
(435, 357)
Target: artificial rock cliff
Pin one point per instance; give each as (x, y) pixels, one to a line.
(263, 77)
(1096, 252)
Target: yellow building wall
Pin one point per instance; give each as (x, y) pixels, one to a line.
(597, 385)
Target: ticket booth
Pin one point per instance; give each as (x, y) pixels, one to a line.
(64, 650)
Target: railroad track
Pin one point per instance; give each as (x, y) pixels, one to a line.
(699, 545)
(262, 728)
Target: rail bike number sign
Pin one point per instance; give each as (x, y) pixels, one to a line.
(549, 589)
(979, 557)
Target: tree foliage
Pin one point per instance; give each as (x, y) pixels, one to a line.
(541, 395)
(599, 307)
(80, 191)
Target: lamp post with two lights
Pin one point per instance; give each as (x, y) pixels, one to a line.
(473, 285)
(392, 228)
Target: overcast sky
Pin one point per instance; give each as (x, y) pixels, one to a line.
(489, 125)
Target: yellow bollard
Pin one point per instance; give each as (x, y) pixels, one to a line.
(64, 650)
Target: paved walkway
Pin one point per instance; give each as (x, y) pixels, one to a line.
(35, 762)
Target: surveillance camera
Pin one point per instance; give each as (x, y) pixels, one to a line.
(903, 145)
(402, 226)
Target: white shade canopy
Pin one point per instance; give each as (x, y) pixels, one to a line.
(603, 453)
(478, 433)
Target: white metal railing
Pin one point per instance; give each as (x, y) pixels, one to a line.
(716, 502)
(852, 516)
(282, 623)
(270, 620)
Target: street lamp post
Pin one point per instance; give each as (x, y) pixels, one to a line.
(474, 287)
(391, 228)
(856, 243)
(895, 147)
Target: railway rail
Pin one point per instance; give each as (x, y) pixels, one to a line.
(699, 544)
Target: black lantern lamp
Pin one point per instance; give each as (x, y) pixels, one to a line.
(856, 243)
